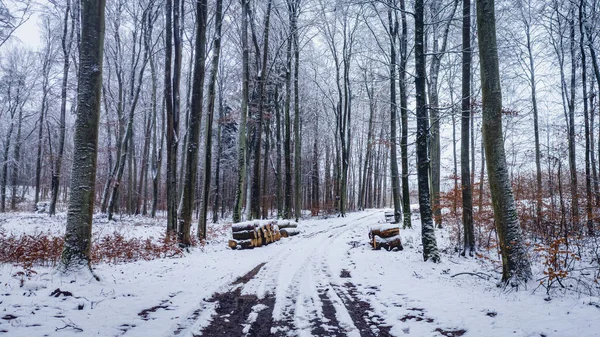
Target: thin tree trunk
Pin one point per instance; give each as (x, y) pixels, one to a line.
(209, 119)
(404, 117)
(465, 172)
(16, 159)
(66, 49)
(393, 33)
(287, 148)
(239, 191)
(588, 182)
(430, 251)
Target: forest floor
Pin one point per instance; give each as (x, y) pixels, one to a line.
(327, 281)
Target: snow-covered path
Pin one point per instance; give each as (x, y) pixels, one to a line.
(324, 282)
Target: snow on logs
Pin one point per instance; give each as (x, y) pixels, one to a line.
(385, 236)
(250, 234)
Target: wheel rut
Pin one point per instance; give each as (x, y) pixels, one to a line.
(293, 294)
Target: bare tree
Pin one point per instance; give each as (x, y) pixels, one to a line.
(430, 251)
(210, 117)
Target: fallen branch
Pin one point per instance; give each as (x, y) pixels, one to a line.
(487, 277)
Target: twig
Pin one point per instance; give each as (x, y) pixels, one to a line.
(487, 277)
(70, 325)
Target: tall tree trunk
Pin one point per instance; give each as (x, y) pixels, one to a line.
(170, 119)
(571, 122)
(430, 251)
(218, 193)
(588, 182)
(297, 138)
(287, 147)
(239, 191)
(209, 120)
(315, 204)
(195, 117)
(404, 116)
(66, 50)
(278, 165)
(78, 235)
(369, 153)
(465, 171)
(434, 142)
(16, 159)
(515, 263)
(393, 33)
(256, 195)
(5, 162)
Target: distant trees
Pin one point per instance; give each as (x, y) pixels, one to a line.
(316, 109)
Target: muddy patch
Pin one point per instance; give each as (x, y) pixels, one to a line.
(329, 325)
(361, 312)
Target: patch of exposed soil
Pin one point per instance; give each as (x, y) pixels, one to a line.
(145, 314)
(361, 312)
(330, 326)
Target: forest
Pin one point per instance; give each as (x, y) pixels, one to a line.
(472, 122)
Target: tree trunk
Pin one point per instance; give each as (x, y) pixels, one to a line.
(16, 161)
(430, 251)
(514, 256)
(287, 147)
(256, 192)
(588, 182)
(78, 235)
(210, 117)
(239, 191)
(191, 162)
(66, 50)
(404, 117)
(465, 172)
(297, 139)
(393, 33)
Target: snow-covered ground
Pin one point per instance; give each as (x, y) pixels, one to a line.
(324, 282)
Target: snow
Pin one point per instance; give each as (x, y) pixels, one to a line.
(330, 260)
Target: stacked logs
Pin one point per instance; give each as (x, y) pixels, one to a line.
(250, 234)
(288, 228)
(385, 236)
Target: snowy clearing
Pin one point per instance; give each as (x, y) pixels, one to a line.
(327, 281)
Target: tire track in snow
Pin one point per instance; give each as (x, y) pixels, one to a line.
(293, 294)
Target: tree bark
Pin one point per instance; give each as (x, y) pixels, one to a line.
(78, 235)
(239, 191)
(66, 50)
(256, 191)
(404, 116)
(465, 171)
(515, 263)
(430, 251)
(393, 34)
(191, 162)
(209, 120)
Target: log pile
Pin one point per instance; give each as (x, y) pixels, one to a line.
(385, 236)
(251, 234)
(288, 228)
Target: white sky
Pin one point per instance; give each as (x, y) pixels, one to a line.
(29, 33)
